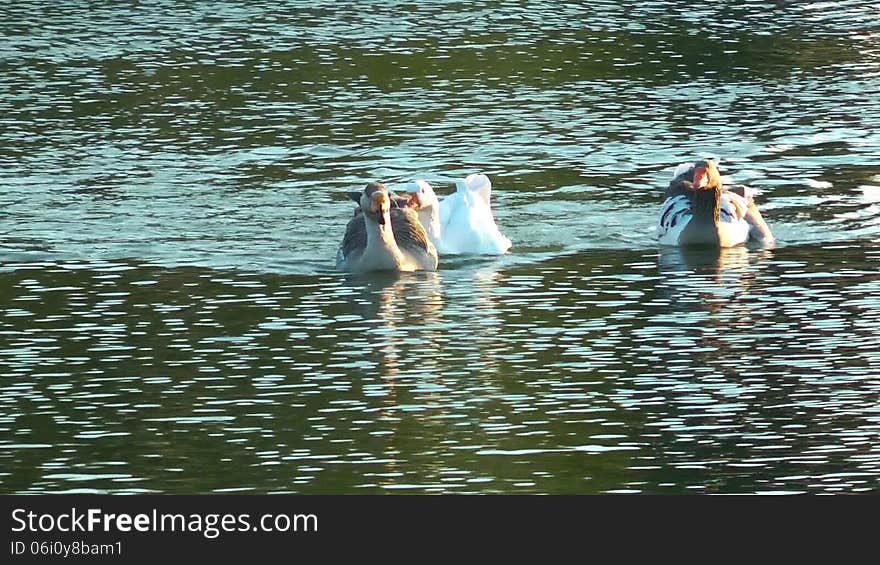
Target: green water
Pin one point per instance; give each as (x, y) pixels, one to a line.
(172, 193)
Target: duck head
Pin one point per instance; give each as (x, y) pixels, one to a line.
(421, 195)
(706, 175)
(374, 202)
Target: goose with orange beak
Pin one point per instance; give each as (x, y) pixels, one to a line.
(384, 237)
(698, 210)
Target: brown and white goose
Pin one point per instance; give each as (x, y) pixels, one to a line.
(384, 236)
(697, 210)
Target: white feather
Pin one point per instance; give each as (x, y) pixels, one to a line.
(676, 214)
(466, 220)
(682, 168)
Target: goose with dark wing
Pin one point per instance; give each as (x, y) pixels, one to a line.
(698, 210)
(384, 235)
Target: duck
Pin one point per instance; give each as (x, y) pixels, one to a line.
(384, 235)
(462, 223)
(698, 210)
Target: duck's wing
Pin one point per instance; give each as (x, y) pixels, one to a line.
(470, 228)
(355, 239)
(758, 228)
(409, 233)
(674, 213)
(448, 205)
(480, 184)
(733, 207)
(398, 201)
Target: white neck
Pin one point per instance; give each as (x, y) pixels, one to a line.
(430, 219)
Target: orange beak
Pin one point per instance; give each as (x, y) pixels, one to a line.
(380, 205)
(701, 177)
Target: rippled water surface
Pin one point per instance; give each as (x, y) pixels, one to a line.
(172, 192)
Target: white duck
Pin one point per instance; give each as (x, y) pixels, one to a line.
(382, 237)
(697, 210)
(462, 223)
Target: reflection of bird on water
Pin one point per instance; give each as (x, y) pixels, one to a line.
(705, 314)
(711, 260)
(429, 323)
(403, 312)
(698, 210)
(475, 316)
(383, 236)
(709, 279)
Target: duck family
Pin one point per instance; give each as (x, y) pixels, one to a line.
(411, 232)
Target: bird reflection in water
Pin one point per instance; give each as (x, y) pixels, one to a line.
(429, 334)
(475, 314)
(424, 324)
(403, 314)
(404, 311)
(733, 267)
(718, 282)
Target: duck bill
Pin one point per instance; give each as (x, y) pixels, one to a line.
(380, 206)
(701, 177)
(414, 201)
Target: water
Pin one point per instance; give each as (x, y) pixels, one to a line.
(172, 187)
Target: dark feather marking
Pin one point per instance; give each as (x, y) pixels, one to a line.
(665, 214)
(408, 230)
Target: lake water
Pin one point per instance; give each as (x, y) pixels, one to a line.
(172, 193)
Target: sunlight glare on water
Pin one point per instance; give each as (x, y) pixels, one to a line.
(173, 188)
